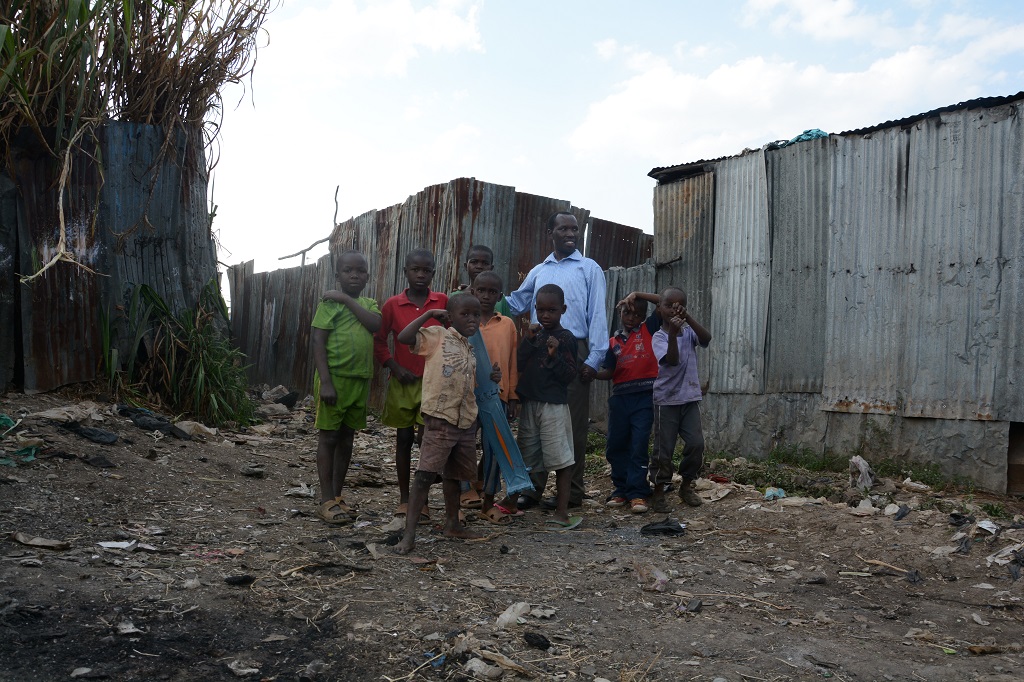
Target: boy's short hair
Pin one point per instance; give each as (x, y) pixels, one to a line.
(674, 288)
(480, 248)
(420, 253)
(554, 216)
(456, 302)
(347, 252)
(553, 290)
(490, 274)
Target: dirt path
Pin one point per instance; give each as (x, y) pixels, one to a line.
(753, 590)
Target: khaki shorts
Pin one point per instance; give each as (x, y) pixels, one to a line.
(545, 436)
(448, 450)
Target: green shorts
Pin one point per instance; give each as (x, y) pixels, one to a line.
(402, 404)
(350, 408)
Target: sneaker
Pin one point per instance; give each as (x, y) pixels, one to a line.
(638, 506)
(688, 495)
(616, 501)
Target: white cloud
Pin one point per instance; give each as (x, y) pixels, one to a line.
(322, 46)
(669, 115)
(826, 20)
(606, 49)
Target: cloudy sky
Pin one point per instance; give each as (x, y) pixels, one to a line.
(572, 99)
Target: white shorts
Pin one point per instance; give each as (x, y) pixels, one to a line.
(545, 436)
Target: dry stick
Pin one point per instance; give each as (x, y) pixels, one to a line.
(876, 562)
(743, 596)
(418, 668)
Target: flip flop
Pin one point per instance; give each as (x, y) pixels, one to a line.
(470, 500)
(573, 522)
(508, 512)
(496, 516)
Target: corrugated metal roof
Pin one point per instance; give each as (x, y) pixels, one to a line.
(964, 229)
(868, 270)
(798, 185)
(740, 281)
(684, 241)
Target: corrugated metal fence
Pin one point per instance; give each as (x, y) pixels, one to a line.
(881, 270)
(133, 221)
(272, 311)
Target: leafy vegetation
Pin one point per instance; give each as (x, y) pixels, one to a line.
(182, 362)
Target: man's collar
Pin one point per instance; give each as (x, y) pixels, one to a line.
(575, 255)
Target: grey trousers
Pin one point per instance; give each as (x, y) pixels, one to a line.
(670, 423)
(579, 410)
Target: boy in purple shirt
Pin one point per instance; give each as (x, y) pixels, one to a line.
(677, 397)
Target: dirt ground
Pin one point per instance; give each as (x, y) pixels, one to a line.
(793, 589)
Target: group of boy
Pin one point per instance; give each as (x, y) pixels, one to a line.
(449, 352)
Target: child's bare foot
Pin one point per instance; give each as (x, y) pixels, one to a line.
(406, 545)
(457, 530)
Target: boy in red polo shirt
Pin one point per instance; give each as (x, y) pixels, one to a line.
(631, 365)
(402, 404)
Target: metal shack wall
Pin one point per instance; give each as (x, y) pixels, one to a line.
(742, 274)
(615, 245)
(798, 187)
(869, 266)
(10, 329)
(684, 242)
(964, 233)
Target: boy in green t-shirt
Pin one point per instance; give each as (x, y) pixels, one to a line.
(343, 329)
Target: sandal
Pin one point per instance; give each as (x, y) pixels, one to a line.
(470, 500)
(345, 508)
(333, 513)
(496, 516)
(508, 512)
(403, 510)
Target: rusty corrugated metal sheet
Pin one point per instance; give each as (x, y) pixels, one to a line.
(798, 186)
(684, 240)
(10, 328)
(741, 277)
(60, 311)
(868, 271)
(529, 226)
(965, 244)
(615, 245)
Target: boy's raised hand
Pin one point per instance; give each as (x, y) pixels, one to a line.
(532, 331)
(496, 373)
(627, 301)
(440, 314)
(336, 295)
(674, 324)
(552, 346)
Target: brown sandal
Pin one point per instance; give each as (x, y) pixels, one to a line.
(497, 517)
(333, 513)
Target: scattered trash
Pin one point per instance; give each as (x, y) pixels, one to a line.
(253, 470)
(289, 400)
(810, 658)
(718, 478)
(979, 620)
(652, 578)
(512, 614)
(907, 484)
(902, 513)
(773, 493)
(272, 395)
(272, 410)
(891, 509)
(695, 605)
(913, 577)
(240, 580)
(543, 612)
(244, 668)
(303, 490)
(864, 508)
(984, 586)
(126, 627)
(45, 543)
(197, 430)
(85, 410)
(861, 475)
(149, 421)
(668, 526)
(26, 455)
(484, 584)
(989, 525)
(537, 640)
(80, 672)
(476, 666)
(101, 436)
(99, 461)
(127, 545)
(957, 519)
(312, 671)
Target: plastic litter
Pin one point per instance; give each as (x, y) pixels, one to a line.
(667, 526)
(773, 493)
(512, 614)
(861, 475)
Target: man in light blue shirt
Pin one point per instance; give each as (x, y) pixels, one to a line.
(583, 282)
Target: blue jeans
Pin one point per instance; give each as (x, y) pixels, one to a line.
(630, 418)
